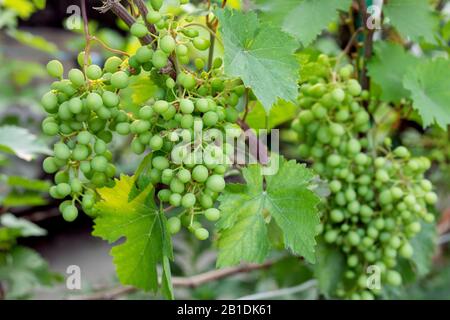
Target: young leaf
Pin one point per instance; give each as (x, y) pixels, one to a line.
(412, 18)
(304, 19)
(24, 227)
(23, 269)
(281, 112)
(424, 245)
(430, 91)
(248, 208)
(329, 269)
(261, 55)
(387, 69)
(147, 242)
(21, 142)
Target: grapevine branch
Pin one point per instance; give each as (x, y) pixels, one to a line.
(189, 282)
(119, 10)
(368, 43)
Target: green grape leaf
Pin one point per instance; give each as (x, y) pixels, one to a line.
(430, 91)
(387, 69)
(247, 210)
(22, 199)
(28, 184)
(329, 269)
(23, 269)
(147, 243)
(304, 19)
(261, 55)
(412, 18)
(34, 41)
(281, 112)
(24, 227)
(40, 4)
(424, 244)
(21, 142)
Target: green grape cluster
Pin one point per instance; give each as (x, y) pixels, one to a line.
(378, 194)
(184, 126)
(83, 110)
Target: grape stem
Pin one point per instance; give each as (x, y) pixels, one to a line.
(368, 44)
(86, 34)
(189, 282)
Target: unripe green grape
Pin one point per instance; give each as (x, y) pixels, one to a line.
(144, 54)
(181, 50)
(80, 152)
(186, 106)
(199, 63)
(319, 111)
(167, 44)
(81, 59)
(169, 113)
(76, 76)
(119, 80)
(206, 201)
(110, 99)
(94, 101)
(55, 69)
(215, 183)
(160, 163)
(70, 213)
(156, 4)
(123, 128)
(173, 225)
(210, 118)
(201, 234)
(112, 64)
(217, 63)
(337, 215)
(353, 146)
(186, 80)
(88, 201)
(153, 17)
(200, 173)
(76, 186)
(202, 105)
(100, 147)
(331, 236)
(156, 143)
(134, 63)
(212, 214)
(137, 147)
(176, 186)
(431, 198)
(99, 179)
(338, 95)
(99, 163)
(184, 175)
(50, 102)
(49, 165)
(393, 278)
(75, 105)
(161, 106)
(138, 30)
(188, 200)
(63, 189)
(201, 44)
(94, 72)
(61, 151)
(159, 59)
(50, 128)
(353, 238)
